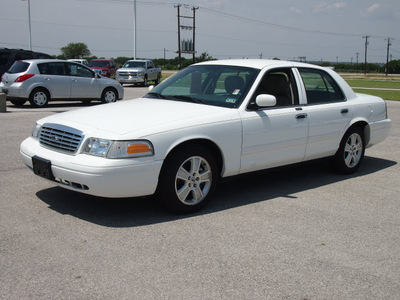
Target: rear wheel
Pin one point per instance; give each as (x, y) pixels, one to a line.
(109, 95)
(39, 97)
(351, 151)
(188, 179)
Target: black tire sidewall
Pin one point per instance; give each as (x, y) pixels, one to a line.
(32, 96)
(166, 193)
(338, 161)
(103, 95)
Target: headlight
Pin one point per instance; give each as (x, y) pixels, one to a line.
(141, 74)
(36, 131)
(118, 149)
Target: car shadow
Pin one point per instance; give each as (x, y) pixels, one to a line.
(233, 192)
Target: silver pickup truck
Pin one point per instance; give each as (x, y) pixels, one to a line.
(139, 71)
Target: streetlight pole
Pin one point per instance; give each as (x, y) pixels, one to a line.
(134, 30)
(29, 24)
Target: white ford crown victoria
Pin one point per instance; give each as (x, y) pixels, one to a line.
(211, 120)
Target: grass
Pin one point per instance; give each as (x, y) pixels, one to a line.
(386, 87)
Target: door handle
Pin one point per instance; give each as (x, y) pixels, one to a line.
(301, 116)
(344, 111)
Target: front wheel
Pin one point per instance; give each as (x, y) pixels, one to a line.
(188, 179)
(109, 96)
(351, 152)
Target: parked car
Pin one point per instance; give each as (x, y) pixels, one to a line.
(43, 80)
(9, 56)
(80, 61)
(211, 120)
(104, 67)
(139, 71)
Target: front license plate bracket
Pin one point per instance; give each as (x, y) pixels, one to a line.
(42, 167)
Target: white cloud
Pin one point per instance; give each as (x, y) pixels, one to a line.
(325, 7)
(371, 10)
(296, 10)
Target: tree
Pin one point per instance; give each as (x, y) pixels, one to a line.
(75, 50)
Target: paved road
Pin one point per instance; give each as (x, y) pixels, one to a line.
(294, 233)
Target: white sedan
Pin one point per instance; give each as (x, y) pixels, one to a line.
(208, 121)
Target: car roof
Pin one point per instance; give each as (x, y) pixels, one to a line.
(43, 60)
(257, 63)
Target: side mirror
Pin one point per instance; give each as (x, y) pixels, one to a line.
(265, 100)
(151, 87)
(97, 75)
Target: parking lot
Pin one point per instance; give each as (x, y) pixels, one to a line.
(300, 232)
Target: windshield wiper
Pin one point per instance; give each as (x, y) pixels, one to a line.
(157, 95)
(186, 98)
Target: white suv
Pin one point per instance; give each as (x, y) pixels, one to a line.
(42, 80)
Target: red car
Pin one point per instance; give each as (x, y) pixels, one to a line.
(104, 67)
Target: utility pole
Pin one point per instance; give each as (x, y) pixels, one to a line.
(186, 45)
(387, 56)
(366, 46)
(357, 61)
(179, 35)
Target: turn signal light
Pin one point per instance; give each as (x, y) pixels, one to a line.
(138, 148)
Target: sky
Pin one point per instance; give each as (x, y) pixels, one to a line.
(318, 30)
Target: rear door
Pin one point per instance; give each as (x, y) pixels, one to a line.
(329, 113)
(56, 79)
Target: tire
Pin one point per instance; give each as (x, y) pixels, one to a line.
(158, 80)
(145, 82)
(39, 97)
(188, 179)
(18, 102)
(109, 96)
(351, 151)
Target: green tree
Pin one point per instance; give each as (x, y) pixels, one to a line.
(75, 50)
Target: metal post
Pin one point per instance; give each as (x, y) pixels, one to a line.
(366, 46)
(134, 30)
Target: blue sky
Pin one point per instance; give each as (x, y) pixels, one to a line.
(318, 30)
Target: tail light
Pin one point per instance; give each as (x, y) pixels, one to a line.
(22, 78)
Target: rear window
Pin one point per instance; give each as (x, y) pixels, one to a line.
(18, 67)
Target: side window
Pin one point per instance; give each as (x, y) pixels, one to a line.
(55, 68)
(79, 70)
(320, 87)
(281, 84)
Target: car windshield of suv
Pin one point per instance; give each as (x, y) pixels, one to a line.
(18, 67)
(99, 63)
(224, 86)
(135, 64)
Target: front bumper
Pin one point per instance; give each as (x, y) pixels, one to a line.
(112, 178)
(130, 79)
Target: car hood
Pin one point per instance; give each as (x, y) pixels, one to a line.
(100, 68)
(140, 118)
(130, 69)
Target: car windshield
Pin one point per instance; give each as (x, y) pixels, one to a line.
(98, 63)
(18, 67)
(224, 86)
(135, 64)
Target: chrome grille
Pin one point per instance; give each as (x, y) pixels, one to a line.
(127, 73)
(61, 138)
